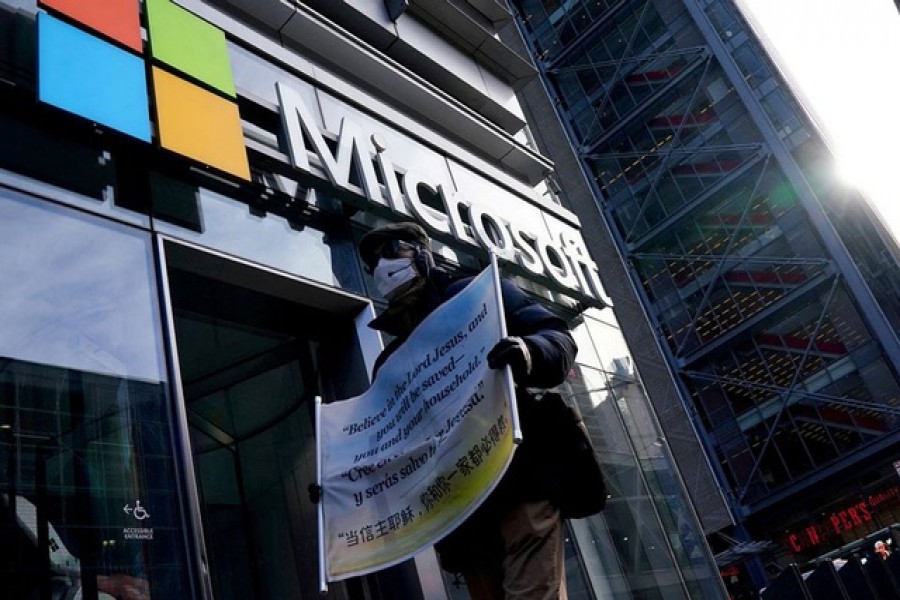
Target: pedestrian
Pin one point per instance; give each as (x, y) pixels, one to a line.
(511, 548)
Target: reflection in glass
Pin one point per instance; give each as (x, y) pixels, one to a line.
(647, 543)
(271, 239)
(77, 292)
(251, 365)
(88, 497)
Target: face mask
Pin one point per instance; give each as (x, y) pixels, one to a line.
(391, 273)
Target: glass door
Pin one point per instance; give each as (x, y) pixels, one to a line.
(254, 350)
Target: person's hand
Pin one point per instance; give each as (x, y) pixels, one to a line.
(514, 352)
(124, 587)
(315, 492)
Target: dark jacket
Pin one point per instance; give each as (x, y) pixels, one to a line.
(530, 476)
(546, 335)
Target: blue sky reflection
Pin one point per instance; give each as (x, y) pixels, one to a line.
(77, 292)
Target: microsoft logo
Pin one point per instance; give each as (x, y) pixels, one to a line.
(92, 63)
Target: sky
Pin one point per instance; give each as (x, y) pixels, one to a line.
(845, 57)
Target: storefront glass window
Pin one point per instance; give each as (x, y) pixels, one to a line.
(88, 496)
(648, 539)
(272, 240)
(251, 363)
(648, 524)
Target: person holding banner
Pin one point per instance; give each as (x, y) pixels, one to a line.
(511, 547)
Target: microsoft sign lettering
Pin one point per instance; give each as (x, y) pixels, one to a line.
(94, 63)
(561, 256)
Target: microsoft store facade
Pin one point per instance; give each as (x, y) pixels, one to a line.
(182, 184)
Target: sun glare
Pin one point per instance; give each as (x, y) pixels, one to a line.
(877, 180)
(843, 57)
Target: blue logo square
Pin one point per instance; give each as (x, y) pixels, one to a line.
(89, 77)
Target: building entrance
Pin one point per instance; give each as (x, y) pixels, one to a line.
(254, 349)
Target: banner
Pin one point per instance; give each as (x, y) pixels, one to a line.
(407, 461)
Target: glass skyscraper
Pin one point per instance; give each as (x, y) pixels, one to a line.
(760, 297)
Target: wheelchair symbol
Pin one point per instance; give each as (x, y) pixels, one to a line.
(138, 512)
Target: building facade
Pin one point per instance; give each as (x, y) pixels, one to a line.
(182, 185)
(758, 294)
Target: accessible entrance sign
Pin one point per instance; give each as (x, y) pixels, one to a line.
(407, 461)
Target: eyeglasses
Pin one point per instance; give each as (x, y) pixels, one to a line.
(390, 249)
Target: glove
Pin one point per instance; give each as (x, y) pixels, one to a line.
(514, 352)
(315, 493)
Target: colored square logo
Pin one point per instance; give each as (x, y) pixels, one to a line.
(94, 79)
(199, 124)
(189, 44)
(101, 81)
(116, 19)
